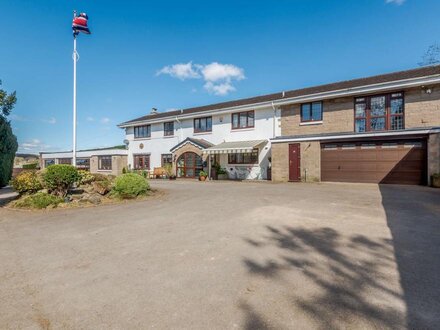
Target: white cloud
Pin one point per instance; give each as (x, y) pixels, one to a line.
(218, 77)
(105, 120)
(90, 119)
(34, 145)
(181, 71)
(396, 2)
(51, 120)
(219, 89)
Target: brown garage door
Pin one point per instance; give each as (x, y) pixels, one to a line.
(399, 162)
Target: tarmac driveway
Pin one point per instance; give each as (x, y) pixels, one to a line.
(225, 255)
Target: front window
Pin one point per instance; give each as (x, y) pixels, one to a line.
(167, 159)
(65, 161)
(243, 120)
(379, 113)
(244, 158)
(48, 162)
(168, 128)
(142, 162)
(311, 111)
(142, 131)
(83, 163)
(105, 163)
(203, 124)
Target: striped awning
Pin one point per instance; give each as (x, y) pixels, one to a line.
(234, 147)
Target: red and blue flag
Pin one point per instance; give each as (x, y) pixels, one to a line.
(79, 24)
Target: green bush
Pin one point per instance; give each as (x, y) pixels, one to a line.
(38, 201)
(59, 178)
(8, 147)
(31, 166)
(85, 177)
(27, 182)
(130, 185)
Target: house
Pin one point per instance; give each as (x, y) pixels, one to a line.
(103, 160)
(382, 129)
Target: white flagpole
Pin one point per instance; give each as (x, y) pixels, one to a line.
(75, 57)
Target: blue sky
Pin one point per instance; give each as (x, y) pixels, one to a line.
(178, 54)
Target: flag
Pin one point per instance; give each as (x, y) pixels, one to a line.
(79, 24)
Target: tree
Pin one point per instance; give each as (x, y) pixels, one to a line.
(432, 56)
(8, 141)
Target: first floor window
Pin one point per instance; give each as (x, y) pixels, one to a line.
(83, 163)
(244, 158)
(168, 128)
(243, 120)
(167, 159)
(48, 162)
(142, 131)
(67, 161)
(379, 113)
(311, 111)
(105, 163)
(203, 124)
(142, 162)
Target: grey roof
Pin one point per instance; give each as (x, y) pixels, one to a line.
(383, 78)
(202, 144)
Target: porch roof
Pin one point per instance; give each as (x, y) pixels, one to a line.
(234, 147)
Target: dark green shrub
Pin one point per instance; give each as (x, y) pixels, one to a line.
(130, 185)
(38, 201)
(32, 166)
(27, 182)
(59, 178)
(8, 147)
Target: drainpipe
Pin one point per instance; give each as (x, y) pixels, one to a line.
(180, 128)
(274, 119)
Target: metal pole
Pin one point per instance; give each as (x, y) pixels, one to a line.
(74, 102)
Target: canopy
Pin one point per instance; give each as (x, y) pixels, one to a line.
(234, 147)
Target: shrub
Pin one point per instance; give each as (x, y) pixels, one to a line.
(31, 166)
(26, 182)
(39, 201)
(85, 177)
(59, 178)
(130, 185)
(8, 147)
(203, 173)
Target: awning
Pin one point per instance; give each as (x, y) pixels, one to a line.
(234, 147)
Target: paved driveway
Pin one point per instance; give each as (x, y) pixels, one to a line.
(228, 255)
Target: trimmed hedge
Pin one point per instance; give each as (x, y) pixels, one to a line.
(130, 185)
(59, 178)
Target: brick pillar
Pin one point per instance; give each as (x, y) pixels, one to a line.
(433, 155)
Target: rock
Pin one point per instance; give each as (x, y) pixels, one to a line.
(95, 199)
(76, 191)
(101, 187)
(44, 191)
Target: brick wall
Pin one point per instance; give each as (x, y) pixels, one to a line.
(421, 110)
(280, 162)
(433, 154)
(118, 163)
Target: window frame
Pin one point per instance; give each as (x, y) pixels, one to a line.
(198, 130)
(254, 154)
(168, 132)
(100, 165)
(239, 114)
(65, 161)
(388, 115)
(146, 160)
(137, 136)
(162, 162)
(311, 111)
(49, 162)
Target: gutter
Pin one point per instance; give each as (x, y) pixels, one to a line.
(413, 82)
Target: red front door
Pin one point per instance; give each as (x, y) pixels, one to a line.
(294, 162)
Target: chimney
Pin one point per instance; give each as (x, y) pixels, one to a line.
(153, 111)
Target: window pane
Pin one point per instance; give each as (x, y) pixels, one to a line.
(360, 110)
(317, 111)
(239, 158)
(235, 120)
(377, 106)
(360, 125)
(377, 124)
(209, 123)
(396, 106)
(203, 124)
(243, 119)
(305, 112)
(396, 122)
(251, 119)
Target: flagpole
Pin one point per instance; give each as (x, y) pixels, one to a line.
(75, 57)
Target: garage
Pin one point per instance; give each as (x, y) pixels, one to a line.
(395, 162)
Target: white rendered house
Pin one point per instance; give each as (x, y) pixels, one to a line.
(235, 135)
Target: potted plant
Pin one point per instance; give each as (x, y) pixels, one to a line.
(222, 174)
(203, 175)
(435, 180)
(169, 172)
